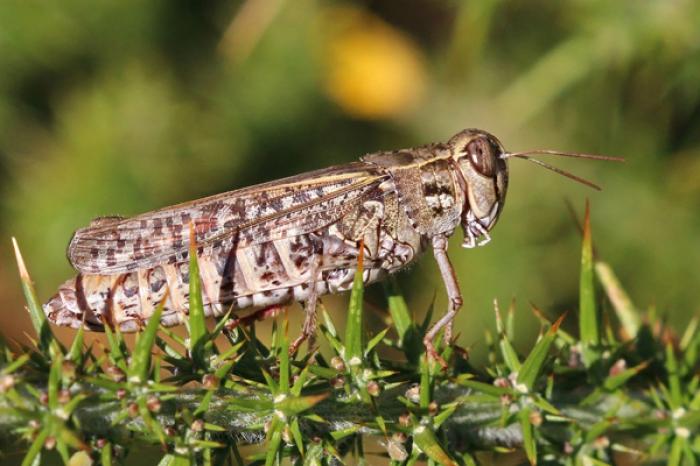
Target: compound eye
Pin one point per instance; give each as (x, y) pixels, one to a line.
(482, 156)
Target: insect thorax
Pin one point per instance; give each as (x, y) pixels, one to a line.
(426, 185)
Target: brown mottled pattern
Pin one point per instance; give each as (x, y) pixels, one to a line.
(263, 274)
(269, 244)
(297, 204)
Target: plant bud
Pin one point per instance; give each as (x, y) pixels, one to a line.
(197, 425)
(63, 396)
(575, 358)
(433, 408)
(6, 383)
(338, 364)
(114, 373)
(153, 404)
(337, 382)
(68, 369)
(132, 410)
(373, 388)
(50, 442)
(210, 382)
(501, 382)
(506, 400)
(617, 368)
(413, 393)
(535, 418)
(601, 442)
(287, 435)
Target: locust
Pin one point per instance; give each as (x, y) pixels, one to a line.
(294, 239)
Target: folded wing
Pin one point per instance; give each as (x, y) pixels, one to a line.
(265, 212)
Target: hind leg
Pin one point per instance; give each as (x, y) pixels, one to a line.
(308, 330)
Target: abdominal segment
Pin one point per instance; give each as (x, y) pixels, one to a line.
(261, 275)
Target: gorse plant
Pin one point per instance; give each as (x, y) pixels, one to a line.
(624, 389)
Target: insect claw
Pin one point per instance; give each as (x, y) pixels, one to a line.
(474, 230)
(470, 240)
(486, 238)
(294, 347)
(433, 354)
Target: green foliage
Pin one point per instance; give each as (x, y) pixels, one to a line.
(39, 321)
(588, 312)
(196, 325)
(636, 396)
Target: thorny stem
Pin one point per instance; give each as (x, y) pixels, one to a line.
(473, 425)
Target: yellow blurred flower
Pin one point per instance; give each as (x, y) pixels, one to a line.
(372, 70)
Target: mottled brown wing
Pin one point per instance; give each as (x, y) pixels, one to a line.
(265, 212)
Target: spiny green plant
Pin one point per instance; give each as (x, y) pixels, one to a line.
(622, 387)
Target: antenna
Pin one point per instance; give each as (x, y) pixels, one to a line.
(526, 155)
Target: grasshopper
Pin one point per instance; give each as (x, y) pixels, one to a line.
(294, 239)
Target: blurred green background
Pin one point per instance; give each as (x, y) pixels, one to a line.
(119, 107)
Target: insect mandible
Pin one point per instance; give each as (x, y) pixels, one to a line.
(294, 239)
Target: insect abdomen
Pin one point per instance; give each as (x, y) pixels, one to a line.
(266, 274)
